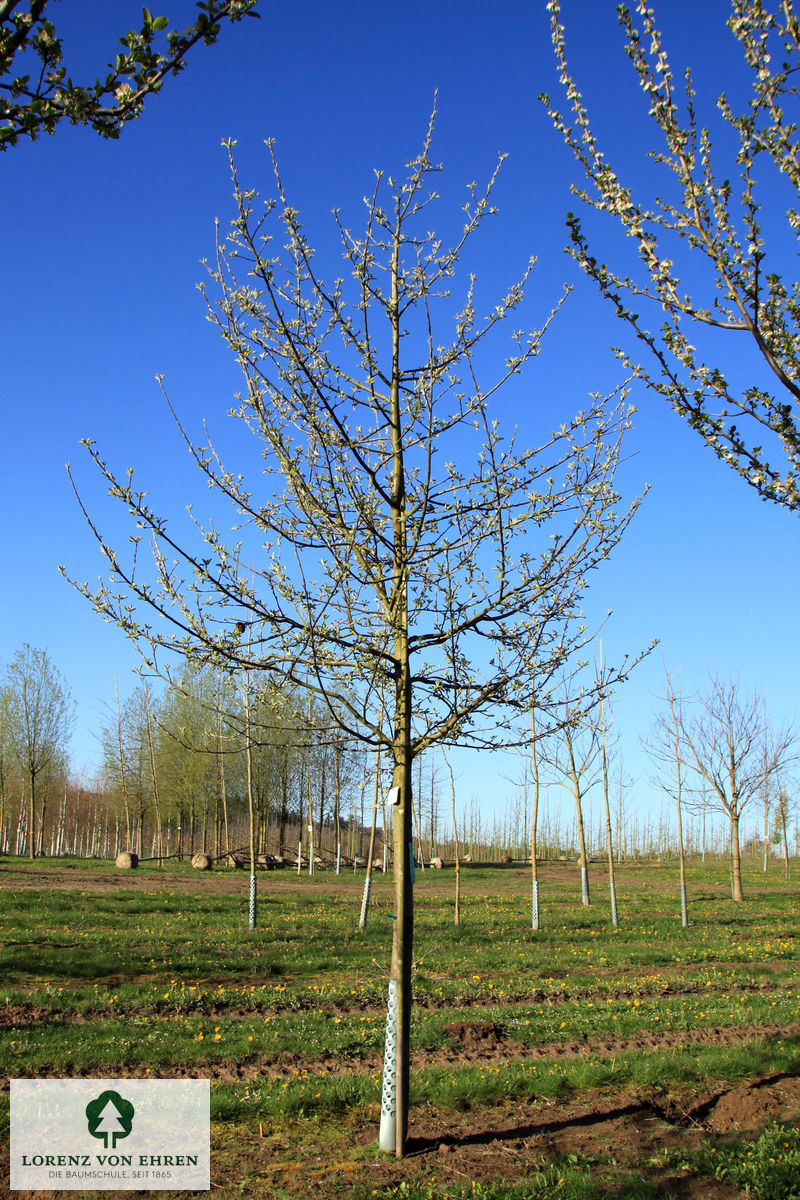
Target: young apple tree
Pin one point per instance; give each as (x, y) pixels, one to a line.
(572, 761)
(784, 807)
(412, 551)
(729, 745)
(40, 713)
(665, 747)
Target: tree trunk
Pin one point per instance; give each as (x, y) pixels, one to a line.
(584, 859)
(32, 817)
(310, 821)
(156, 801)
(612, 886)
(434, 831)
(535, 907)
(2, 804)
(20, 843)
(682, 854)
(337, 807)
(416, 816)
(250, 804)
(362, 919)
(284, 813)
(403, 925)
(736, 861)
(402, 944)
(322, 784)
(612, 883)
(457, 908)
(676, 747)
(301, 784)
(43, 818)
(457, 912)
(766, 814)
(123, 782)
(575, 778)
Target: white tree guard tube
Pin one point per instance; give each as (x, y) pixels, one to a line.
(252, 901)
(362, 920)
(388, 1130)
(585, 885)
(535, 905)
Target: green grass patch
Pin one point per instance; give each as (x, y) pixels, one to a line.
(165, 978)
(767, 1168)
(564, 1180)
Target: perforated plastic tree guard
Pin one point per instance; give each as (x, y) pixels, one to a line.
(585, 885)
(252, 901)
(362, 920)
(388, 1130)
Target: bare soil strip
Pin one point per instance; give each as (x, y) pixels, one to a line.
(617, 1131)
(476, 1044)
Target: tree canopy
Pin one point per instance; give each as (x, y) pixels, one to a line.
(390, 561)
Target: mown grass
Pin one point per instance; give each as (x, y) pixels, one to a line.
(165, 977)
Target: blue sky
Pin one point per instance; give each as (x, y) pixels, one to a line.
(102, 250)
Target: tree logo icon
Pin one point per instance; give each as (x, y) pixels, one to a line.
(109, 1116)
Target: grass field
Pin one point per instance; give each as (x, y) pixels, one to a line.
(574, 1063)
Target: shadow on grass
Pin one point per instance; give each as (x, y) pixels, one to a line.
(416, 1146)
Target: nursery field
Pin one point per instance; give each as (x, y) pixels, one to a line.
(572, 1063)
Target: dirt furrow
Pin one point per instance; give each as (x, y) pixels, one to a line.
(475, 1044)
